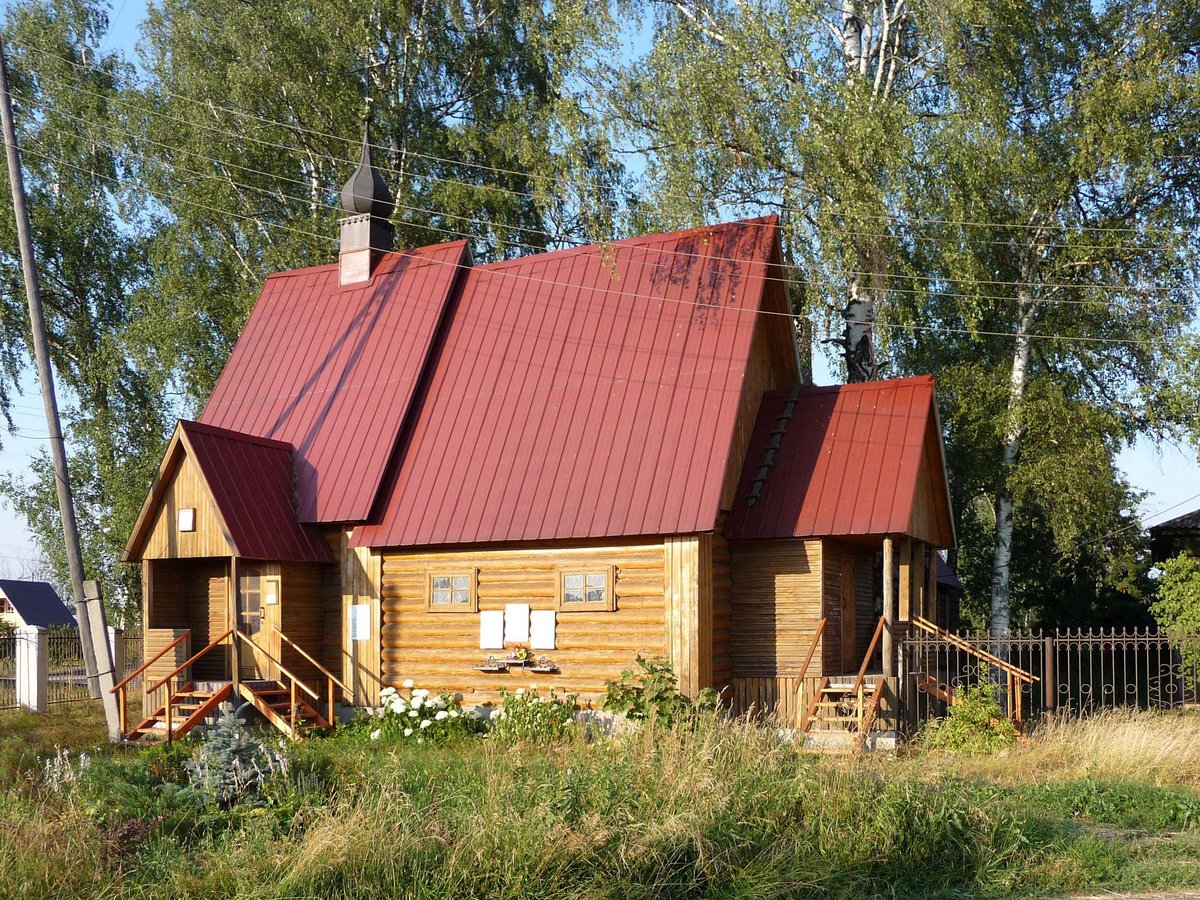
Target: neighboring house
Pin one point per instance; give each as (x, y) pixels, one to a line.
(33, 603)
(1175, 536)
(408, 454)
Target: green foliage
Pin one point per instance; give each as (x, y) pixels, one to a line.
(234, 764)
(414, 714)
(525, 716)
(1178, 606)
(652, 694)
(976, 723)
(1121, 804)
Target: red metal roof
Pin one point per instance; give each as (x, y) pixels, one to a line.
(583, 393)
(846, 462)
(332, 371)
(251, 483)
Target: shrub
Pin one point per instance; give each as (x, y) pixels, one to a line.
(234, 763)
(1178, 606)
(414, 714)
(976, 723)
(652, 694)
(529, 717)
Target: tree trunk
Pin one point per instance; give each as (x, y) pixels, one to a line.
(1001, 619)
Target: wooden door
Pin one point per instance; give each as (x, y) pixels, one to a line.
(257, 618)
(850, 660)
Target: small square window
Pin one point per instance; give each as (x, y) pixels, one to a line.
(587, 591)
(452, 592)
(187, 519)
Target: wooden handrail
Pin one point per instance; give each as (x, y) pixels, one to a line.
(812, 648)
(866, 663)
(282, 668)
(192, 659)
(320, 668)
(148, 663)
(1004, 665)
(869, 715)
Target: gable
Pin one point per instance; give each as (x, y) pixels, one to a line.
(241, 489)
(184, 487)
(585, 393)
(844, 461)
(36, 603)
(333, 370)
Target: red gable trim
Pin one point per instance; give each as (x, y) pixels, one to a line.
(847, 462)
(332, 371)
(583, 393)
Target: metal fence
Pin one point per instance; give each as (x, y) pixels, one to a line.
(67, 682)
(1078, 671)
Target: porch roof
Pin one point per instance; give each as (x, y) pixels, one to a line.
(251, 486)
(854, 459)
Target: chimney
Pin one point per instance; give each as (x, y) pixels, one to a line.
(366, 232)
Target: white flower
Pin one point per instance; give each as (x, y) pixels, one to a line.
(387, 692)
(408, 732)
(420, 692)
(376, 733)
(533, 687)
(520, 691)
(442, 714)
(412, 713)
(417, 702)
(408, 683)
(454, 714)
(425, 723)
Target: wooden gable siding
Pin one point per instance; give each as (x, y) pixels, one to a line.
(776, 604)
(931, 509)
(771, 366)
(439, 650)
(186, 488)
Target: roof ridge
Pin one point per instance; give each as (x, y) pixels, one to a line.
(866, 385)
(422, 253)
(232, 435)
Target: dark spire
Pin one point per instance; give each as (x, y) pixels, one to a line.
(366, 192)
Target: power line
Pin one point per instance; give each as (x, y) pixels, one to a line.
(209, 105)
(559, 238)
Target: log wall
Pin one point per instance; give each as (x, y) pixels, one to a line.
(438, 650)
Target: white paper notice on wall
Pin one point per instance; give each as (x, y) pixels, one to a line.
(360, 622)
(541, 629)
(491, 629)
(516, 623)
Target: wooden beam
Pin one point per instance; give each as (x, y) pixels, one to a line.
(889, 608)
(919, 581)
(904, 592)
(931, 592)
(688, 595)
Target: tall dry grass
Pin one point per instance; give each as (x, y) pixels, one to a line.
(1121, 744)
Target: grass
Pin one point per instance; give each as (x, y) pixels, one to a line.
(719, 810)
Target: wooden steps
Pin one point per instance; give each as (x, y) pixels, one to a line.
(845, 707)
(189, 707)
(286, 710)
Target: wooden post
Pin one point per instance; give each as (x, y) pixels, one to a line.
(904, 591)
(919, 580)
(889, 609)
(170, 702)
(332, 716)
(932, 612)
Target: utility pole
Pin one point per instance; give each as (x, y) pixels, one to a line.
(58, 452)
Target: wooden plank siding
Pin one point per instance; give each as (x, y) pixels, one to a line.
(439, 650)
(722, 613)
(186, 489)
(302, 618)
(191, 594)
(360, 584)
(776, 604)
(153, 641)
(837, 555)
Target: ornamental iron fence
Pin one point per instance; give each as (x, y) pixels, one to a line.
(1078, 671)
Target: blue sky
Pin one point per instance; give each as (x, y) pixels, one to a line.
(1169, 476)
